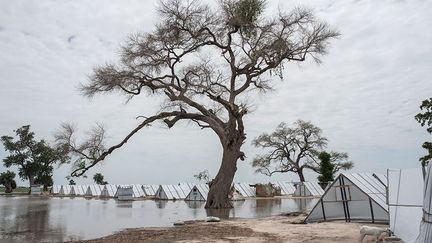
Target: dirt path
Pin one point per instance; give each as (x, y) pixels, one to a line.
(272, 229)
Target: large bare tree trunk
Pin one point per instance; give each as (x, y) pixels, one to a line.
(220, 187)
(300, 174)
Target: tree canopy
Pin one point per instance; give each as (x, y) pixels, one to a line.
(293, 149)
(98, 178)
(205, 63)
(7, 179)
(425, 120)
(34, 159)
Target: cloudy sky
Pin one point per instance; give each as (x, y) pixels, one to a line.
(364, 95)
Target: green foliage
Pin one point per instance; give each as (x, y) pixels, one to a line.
(72, 182)
(35, 159)
(326, 167)
(7, 180)
(425, 119)
(98, 178)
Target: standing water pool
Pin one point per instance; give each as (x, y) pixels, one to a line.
(35, 219)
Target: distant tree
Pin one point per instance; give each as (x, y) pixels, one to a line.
(98, 178)
(206, 63)
(326, 168)
(294, 149)
(7, 180)
(425, 119)
(34, 159)
(72, 182)
(203, 176)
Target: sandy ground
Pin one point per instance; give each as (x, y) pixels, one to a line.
(271, 229)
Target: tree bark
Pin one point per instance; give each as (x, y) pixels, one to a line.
(31, 180)
(220, 187)
(300, 174)
(8, 187)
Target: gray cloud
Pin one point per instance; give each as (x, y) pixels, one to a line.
(364, 95)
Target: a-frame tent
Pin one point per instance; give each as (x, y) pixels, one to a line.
(245, 189)
(308, 189)
(173, 192)
(287, 188)
(55, 189)
(109, 190)
(198, 193)
(150, 190)
(353, 197)
(65, 190)
(405, 200)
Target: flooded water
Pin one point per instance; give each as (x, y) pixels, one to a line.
(39, 219)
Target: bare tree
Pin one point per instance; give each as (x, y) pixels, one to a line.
(210, 92)
(295, 149)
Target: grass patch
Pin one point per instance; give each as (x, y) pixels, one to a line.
(18, 189)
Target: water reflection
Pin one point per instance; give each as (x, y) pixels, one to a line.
(25, 219)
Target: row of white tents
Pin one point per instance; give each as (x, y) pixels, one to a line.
(183, 191)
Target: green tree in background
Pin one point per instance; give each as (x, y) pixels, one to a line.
(425, 119)
(98, 178)
(7, 179)
(326, 168)
(72, 182)
(34, 159)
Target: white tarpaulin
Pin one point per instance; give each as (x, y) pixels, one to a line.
(405, 199)
(352, 197)
(425, 234)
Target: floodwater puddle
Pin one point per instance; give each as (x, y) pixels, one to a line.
(36, 219)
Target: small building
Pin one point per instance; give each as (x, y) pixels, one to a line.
(124, 193)
(308, 189)
(36, 190)
(353, 197)
(198, 193)
(245, 189)
(405, 202)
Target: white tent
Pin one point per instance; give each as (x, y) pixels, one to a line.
(150, 190)
(308, 189)
(109, 190)
(425, 234)
(65, 190)
(173, 192)
(94, 190)
(287, 188)
(352, 197)
(198, 193)
(78, 190)
(245, 189)
(405, 199)
(55, 189)
(138, 190)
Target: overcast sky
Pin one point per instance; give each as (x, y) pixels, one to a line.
(364, 95)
